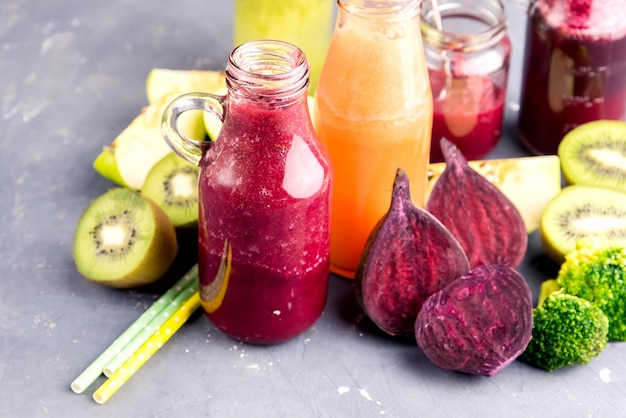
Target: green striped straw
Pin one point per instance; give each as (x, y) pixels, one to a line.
(154, 325)
(95, 369)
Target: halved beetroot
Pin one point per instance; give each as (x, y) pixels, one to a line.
(479, 323)
(408, 256)
(484, 221)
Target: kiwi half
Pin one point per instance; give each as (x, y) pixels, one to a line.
(595, 154)
(173, 184)
(580, 211)
(124, 240)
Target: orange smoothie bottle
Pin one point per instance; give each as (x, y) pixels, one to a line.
(373, 112)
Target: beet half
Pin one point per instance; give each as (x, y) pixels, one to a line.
(409, 255)
(484, 221)
(479, 323)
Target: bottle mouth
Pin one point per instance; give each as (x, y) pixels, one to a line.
(487, 18)
(267, 69)
(386, 10)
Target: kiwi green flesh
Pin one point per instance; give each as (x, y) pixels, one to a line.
(582, 211)
(122, 241)
(595, 154)
(173, 184)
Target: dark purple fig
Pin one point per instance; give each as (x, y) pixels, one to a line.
(479, 323)
(484, 221)
(408, 256)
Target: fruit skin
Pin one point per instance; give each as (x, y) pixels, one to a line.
(528, 182)
(408, 256)
(580, 211)
(594, 154)
(479, 323)
(148, 264)
(484, 221)
(106, 166)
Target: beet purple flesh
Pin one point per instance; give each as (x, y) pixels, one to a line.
(484, 221)
(479, 323)
(409, 255)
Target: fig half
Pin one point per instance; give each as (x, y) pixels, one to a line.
(479, 323)
(408, 256)
(484, 221)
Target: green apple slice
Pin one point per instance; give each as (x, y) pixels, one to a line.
(130, 156)
(141, 145)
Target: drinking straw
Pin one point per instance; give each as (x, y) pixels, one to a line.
(151, 346)
(149, 329)
(447, 69)
(94, 370)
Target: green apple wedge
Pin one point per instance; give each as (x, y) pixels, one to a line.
(131, 155)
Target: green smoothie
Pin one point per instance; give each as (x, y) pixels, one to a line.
(304, 23)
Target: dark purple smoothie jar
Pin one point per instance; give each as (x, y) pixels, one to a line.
(574, 69)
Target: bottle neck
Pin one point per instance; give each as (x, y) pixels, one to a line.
(382, 10)
(267, 72)
(487, 24)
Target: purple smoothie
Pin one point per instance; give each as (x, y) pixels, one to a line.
(264, 191)
(574, 70)
(470, 115)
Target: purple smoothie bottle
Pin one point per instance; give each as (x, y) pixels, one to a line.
(574, 69)
(264, 197)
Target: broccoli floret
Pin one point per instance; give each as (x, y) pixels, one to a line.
(596, 271)
(566, 330)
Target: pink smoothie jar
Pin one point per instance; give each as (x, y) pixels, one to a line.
(468, 53)
(264, 197)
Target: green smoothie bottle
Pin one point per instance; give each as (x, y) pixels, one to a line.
(305, 23)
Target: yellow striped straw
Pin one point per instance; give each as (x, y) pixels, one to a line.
(143, 353)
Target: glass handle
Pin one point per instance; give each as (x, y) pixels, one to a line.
(187, 148)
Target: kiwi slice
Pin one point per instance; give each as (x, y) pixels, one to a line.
(595, 154)
(124, 240)
(580, 211)
(173, 184)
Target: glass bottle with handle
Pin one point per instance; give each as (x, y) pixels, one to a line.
(264, 197)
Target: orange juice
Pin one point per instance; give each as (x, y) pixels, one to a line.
(373, 112)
